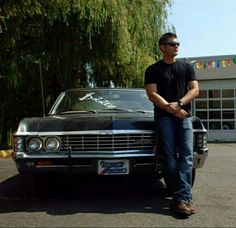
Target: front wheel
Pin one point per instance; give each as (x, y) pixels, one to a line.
(193, 176)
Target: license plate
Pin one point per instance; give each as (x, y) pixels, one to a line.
(113, 167)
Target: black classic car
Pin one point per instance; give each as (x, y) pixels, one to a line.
(105, 131)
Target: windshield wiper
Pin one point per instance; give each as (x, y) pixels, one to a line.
(143, 111)
(126, 110)
(117, 109)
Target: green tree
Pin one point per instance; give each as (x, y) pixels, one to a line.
(79, 43)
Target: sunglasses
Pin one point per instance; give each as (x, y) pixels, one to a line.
(172, 44)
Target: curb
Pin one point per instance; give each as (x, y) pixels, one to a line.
(5, 153)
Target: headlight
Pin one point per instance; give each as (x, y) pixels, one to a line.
(52, 144)
(35, 144)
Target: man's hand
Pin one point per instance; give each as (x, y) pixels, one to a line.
(173, 107)
(181, 114)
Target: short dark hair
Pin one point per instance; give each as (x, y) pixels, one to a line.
(166, 36)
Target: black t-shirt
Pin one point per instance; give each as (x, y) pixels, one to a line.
(171, 80)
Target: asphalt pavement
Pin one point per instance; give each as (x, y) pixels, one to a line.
(118, 202)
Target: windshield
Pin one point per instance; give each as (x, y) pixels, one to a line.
(102, 100)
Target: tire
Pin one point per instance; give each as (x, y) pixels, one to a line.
(193, 176)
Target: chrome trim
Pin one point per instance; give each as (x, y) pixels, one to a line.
(198, 160)
(61, 166)
(110, 143)
(200, 130)
(93, 132)
(20, 155)
(102, 142)
(80, 166)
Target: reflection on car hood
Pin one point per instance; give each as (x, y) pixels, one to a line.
(79, 122)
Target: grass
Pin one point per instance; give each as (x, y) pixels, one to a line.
(5, 153)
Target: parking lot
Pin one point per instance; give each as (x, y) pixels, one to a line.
(118, 202)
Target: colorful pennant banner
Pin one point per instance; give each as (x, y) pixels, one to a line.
(211, 64)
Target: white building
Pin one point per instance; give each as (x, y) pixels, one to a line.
(216, 104)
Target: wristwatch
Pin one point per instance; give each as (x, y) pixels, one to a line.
(180, 103)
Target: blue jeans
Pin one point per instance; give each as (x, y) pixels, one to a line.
(174, 132)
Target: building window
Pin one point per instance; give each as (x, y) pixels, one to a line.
(214, 115)
(202, 114)
(216, 108)
(228, 93)
(228, 114)
(228, 104)
(216, 125)
(214, 104)
(214, 93)
(228, 125)
(202, 94)
(201, 104)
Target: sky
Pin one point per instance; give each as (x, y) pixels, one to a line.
(204, 27)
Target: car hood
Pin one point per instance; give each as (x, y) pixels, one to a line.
(80, 122)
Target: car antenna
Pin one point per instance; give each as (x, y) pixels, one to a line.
(41, 86)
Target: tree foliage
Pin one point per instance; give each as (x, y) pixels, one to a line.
(79, 43)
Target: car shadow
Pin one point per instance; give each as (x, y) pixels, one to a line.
(69, 194)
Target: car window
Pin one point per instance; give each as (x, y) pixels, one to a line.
(99, 100)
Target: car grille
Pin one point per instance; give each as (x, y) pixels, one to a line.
(113, 142)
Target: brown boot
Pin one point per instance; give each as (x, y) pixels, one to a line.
(191, 207)
(181, 208)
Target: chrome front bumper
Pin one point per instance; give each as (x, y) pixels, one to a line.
(87, 164)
